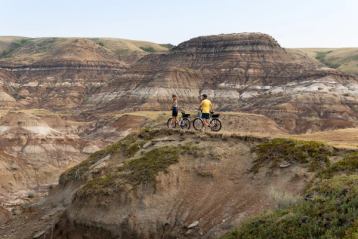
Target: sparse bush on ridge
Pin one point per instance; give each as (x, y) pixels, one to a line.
(276, 151)
(127, 146)
(137, 171)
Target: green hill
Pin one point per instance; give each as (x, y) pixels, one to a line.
(29, 50)
(343, 59)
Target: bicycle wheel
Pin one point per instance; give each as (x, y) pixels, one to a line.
(185, 124)
(215, 125)
(198, 124)
(171, 124)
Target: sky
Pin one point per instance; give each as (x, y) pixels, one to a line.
(294, 23)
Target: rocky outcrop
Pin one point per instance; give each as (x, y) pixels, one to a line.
(247, 71)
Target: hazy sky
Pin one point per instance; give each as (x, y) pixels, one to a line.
(294, 23)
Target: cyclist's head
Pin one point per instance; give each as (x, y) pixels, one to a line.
(205, 96)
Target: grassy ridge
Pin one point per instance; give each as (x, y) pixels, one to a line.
(328, 210)
(29, 50)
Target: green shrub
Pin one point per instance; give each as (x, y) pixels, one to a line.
(137, 171)
(127, 147)
(349, 164)
(276, 151)
(330, 213)
(143, 170)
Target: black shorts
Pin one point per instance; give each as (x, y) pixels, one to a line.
(175, 112)
(205, 115)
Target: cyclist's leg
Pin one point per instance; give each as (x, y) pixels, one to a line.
(174, 120)
(175, 115)
(205, 117)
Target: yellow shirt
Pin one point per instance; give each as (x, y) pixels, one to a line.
(206, 106)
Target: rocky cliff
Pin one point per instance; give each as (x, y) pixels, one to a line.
(249, 72)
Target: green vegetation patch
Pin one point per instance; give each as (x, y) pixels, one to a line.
(137, 171)
(277, 151)
(14, 46)
(126, 147)
(348, 165)
(143, 170)
(352, 232)
(331, 212)
(321, 57)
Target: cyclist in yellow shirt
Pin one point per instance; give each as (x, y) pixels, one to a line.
(206, 107)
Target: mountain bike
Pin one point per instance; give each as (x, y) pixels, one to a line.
(214, 122)
(183, 122)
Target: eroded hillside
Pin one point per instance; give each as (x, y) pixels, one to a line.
(36, 146)
(240, 72)
(170, 184)
(62, 100)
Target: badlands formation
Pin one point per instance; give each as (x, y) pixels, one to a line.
(83, 152)
(242, 72)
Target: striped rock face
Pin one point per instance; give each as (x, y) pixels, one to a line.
(240, 72)
(58, 78)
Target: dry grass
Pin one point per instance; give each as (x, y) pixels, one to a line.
(342, 138)
(283, 199)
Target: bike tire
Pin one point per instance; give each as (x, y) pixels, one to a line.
(170, 124)
(215, 125)
(198, 124)
(185, 124)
